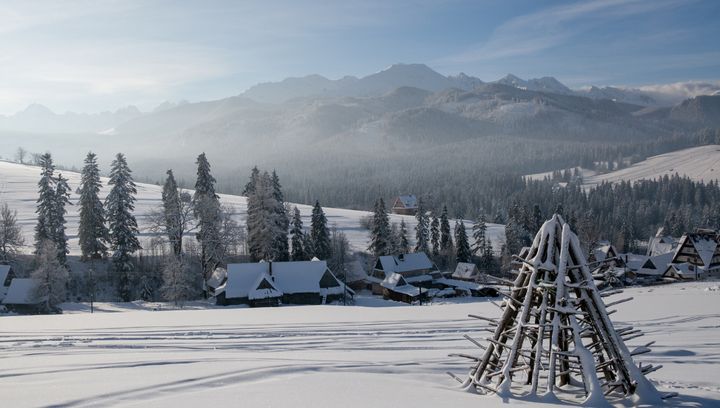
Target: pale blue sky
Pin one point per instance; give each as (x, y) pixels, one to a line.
(90, 56)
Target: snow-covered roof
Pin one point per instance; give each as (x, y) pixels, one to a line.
(4, 272)
(465, 270)
(684, 270)
(705, 244)
(218, 277)
(661, 245)
(21, 292)
(397, 283)
(285, 277)
(406, 201)
(244, 279)
(602, 252)
(405, 263)
(459, 284)
(705, 247)
(264, 288)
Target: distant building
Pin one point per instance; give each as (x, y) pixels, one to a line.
(700, 249)
(681, 271)
(272, 283)
(661, 243)
(356, 276)
(405, 205)
(648, 269)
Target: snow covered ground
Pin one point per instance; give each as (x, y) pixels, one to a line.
(314, 356)
(698, 163)
(18, 187)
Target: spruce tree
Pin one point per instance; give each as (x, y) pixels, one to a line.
(120, 205)
(435, 235)
(404, 243)
(62, 198)
(262, 225)
(281, 247)
(206, 206)
(320, 234)
(421, 229)
(250, 186)
(462, 246)
(380, 237)
(297, 238)
(172, 213)
(45, 202)
(445, 237)
(92, 232)
(479, 235)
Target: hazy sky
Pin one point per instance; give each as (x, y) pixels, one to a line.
(90, 56)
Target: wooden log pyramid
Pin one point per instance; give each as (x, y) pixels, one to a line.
(555, 341)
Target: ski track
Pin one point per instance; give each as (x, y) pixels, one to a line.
(316, 356)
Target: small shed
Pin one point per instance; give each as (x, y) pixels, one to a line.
(355, 276)
(415, 267)
(405, 205)
(21, 297)
(216, 280)
(396, 288)
(466, 271)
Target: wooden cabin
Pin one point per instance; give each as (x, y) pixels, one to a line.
(648, 269)
(271, 283)
(700, 249)
(21, 297)
(681, 272)
(356, 276)
(416, 268)
(405, 205)
(396, 288)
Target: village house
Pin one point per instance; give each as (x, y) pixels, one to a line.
(272, 283)
(661, 243)
(21, 297)
(648, 269)
(395, 287)
(405, 205)
(604, 253)
(356, 276)
(416, 269)
(681, 271)
(700, 249)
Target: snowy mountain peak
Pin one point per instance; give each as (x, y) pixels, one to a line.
(36, 109)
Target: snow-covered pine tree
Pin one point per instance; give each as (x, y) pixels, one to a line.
(178, 281)
(11, 238)
(45, 202)
(297, 238)
(308, 244)
(62, 198)
(206, 205)
(92, 232)
(281, 247)
(404, 243)
(319, 233)
(421, 229)
(49, 275)
(172, 213)
(120, 205)
(462, 246)
(479, 235)
(445, 237)
(250, 186)
(435, 235)
(262, 224)
(380, 235)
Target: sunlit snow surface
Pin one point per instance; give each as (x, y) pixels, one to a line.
(314, 356)
(18, 188)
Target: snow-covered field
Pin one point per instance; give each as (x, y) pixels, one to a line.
(697, 163)
(315, 356)
(18, 187)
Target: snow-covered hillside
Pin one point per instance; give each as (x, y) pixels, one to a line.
(18, 188)
(318, 356)
(697, 163)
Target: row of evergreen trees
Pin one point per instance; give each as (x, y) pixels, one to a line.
(433, 236)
